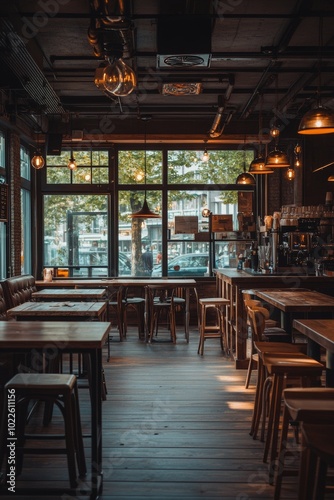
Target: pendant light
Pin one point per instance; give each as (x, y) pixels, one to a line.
(245, 178)
(276, 158)
(258, 165)
(206, 155)
(290, 174)
(72, 164)
(118, 78)
(145, 212)
(37, 161)
(319, 120)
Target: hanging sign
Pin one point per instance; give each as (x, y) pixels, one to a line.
(3, 202)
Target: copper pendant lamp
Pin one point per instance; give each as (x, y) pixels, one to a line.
(145, 212)
(245, 178)
(258, 165)
(277, 159)
(319, 120)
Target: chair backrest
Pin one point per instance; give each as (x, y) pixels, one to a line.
(3, 305)
(18, 289)
(257, 322)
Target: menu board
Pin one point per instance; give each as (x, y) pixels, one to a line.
(3, 202)
(186, 224)
(221, 223)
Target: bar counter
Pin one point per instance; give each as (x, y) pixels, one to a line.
(230, 284)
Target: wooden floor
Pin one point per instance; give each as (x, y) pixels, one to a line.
(175, 426)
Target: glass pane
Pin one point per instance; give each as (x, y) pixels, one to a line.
(131, 167)
(139, 236)
(3, 254)
(58, 172)
(58, 175)
(25, 232)
(25, 163)
(223, 167)
(2, 150)
(76, 234)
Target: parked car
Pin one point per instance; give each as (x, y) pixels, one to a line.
(124, 264)
(191, 264)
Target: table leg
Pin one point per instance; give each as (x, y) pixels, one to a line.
(329, 369)
(96, 422)
(187, 318)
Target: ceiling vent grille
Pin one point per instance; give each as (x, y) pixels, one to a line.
(184, 41)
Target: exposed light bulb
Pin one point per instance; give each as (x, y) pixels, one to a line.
(205, 157)
(37, 161)
(290, 174)
(274, 131)
(72, 164)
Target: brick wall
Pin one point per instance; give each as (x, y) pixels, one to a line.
(15, 204)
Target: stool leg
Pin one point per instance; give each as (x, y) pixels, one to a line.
(201, 333)
(281, 454)
(69, 438)
(257, 402)
(275, 427)
(78, 434)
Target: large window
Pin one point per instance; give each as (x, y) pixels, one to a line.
(3, 225)
(83, 237)
(76, 239)
(26, 264)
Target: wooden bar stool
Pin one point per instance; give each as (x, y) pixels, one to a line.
(257, 317)
(305, 405)
(212, 331)
(61, 390)
(319, 441)
(295, 366)
(260, 398)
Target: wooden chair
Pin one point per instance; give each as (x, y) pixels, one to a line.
(161, 303)
(131, 300)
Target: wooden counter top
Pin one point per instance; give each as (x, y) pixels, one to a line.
(230, 284)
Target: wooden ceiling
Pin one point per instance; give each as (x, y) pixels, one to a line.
(254, 61)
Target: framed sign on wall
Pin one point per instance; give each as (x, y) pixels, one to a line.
(3, 202)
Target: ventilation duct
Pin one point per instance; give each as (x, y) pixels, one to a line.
(215, 131)
(184, 41)
(110, 30)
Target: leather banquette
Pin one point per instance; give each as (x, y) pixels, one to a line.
(18, 289)
(3, 306)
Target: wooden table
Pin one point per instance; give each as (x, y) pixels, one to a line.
(72, 311)
(60, 337)
(70, 294)
(296, 302)
(122, 283)
(320, 333)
